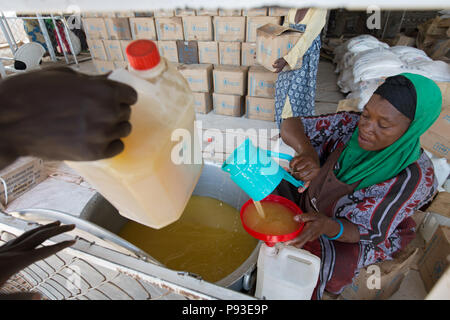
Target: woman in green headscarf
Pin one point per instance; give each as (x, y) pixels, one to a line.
(365, 175)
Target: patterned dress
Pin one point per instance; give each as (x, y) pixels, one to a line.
(299, 85)
(381, 212)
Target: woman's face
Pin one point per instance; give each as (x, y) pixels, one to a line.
(380, 124)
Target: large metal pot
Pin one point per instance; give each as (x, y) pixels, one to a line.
(214, 183)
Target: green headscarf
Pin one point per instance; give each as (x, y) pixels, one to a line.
(373, 167)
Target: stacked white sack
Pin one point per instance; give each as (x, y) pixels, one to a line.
(364, 62)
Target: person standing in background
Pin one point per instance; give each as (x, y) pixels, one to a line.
(295, 89)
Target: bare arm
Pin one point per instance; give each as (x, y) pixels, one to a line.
(306, 165)
(293, 134)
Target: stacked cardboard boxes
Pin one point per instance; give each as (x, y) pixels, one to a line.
(195, 39)
(230, 87)
(260, 100)
(434, 38)
(199, 78)
(107, 37)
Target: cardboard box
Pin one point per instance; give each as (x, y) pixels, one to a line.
(388, 274)
(20, 176)
(230, 53)
(202, 102)
(187, 51)
(95, 28)
(107, 14)
(91, 14)
(208, 52)
(168, 50)
(228, 104)
(144, 14)
(143, 28)
(97, 49)
(198, 28)
(125, 14)
(104, 66)
(437, 138)
(113, 50)
(230, 12)
(436, 257)
(123, 45)
(118, 28)
(255, 12)
(207, 12)
(164, 13)
(273, 42)
(248, 56)
(445, 91)
(261, 83)
(402, 40)
(169, 28)
(440, 49)
(440, 290)
(253, 23)
(278, 11)
(230, 80)
(198, 76)
(229, 29)
(260, 108)
(120, 64)
(441, 204)
(184, 12)
(348, 105)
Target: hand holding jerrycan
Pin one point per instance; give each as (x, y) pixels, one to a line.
(255, 172)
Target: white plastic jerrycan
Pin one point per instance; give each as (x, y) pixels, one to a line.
(286, 273)
(149, 182)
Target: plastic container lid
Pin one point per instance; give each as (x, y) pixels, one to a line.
(142, 54)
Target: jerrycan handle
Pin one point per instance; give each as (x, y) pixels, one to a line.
(296, 183)
(279, 155)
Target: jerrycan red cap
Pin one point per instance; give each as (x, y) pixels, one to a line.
(142, 54)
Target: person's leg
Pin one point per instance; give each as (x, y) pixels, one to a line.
(303, 89)
(281, 88)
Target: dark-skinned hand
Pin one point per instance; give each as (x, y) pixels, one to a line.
(316, 224)
(20, 252)
(60, 114)
(279, 64)
(305, 168)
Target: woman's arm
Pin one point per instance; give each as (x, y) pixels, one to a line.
(293, 134)
(306, 165)
(317, 224)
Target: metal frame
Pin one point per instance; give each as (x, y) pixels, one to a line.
(104, 273)
(5, 28)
